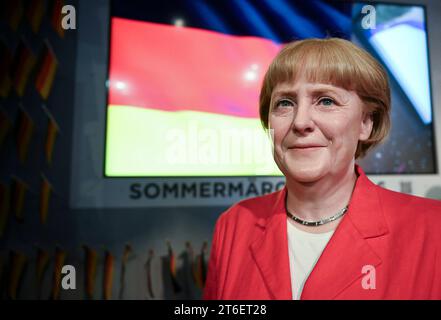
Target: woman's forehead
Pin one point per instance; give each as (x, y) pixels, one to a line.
(308, 86)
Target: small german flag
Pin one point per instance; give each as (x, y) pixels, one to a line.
(191, 261)
(19, 188)
(24, 61)
(148, 267)
(17, 267)
(46, 71)
(34, 14)
(203, 264)
(24, 134)
(57, 17)
(5, 199)
(13, 13)
(5, 126)
(172, 261)
(5, 66)
(201, 269)
(108, 275)
(41, 265)
(60, 257)
(51, 134)
(124, 260)
(45, 195)
(91, 259)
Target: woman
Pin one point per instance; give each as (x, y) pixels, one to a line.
(330, 233)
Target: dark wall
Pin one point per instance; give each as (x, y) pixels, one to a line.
(70, 230)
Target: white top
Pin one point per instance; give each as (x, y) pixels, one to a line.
(304, 249)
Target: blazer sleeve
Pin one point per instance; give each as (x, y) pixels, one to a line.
(211, 282)
(436, 281)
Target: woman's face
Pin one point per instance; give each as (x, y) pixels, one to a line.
(316, 128)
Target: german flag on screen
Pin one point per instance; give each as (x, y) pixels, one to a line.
(184, 102)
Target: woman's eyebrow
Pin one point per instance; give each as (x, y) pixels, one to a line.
(324, 91)
(279, 93)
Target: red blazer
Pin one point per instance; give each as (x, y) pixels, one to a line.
(398, 234)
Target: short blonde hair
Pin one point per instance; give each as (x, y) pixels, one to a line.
(338, 62)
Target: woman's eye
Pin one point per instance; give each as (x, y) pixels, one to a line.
(284, 103)
(326, 102)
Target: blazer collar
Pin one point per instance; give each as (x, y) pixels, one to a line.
(344, 256)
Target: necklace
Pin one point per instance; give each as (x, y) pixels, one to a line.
(318, 222)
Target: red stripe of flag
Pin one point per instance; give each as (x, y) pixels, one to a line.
(173, 68)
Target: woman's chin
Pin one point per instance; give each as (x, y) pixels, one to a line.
(305, 172)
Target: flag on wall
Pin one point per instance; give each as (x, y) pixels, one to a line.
(125, 258)
(148, 268)
(41, 267)
(108, 275)
(172, 268)
(46, 71)
(5, 199)
(24, 134)
(57, 17)
(51, 134)
(201, 268)
(91, 259)
(45, 195)
(17, 267)
(19, 188)
(24, 61)
(5, 67)
(5, 126)
(60, 257)
(191, 261)
(34, 14)
(13, 13)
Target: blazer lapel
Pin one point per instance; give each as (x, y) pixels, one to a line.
(270, 251)
(344, 256)
(348, 251)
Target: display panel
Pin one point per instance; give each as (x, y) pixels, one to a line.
(184, 80)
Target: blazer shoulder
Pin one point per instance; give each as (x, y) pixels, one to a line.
(251, 208)
(410, 206)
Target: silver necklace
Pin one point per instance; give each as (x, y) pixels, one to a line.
(318, 222)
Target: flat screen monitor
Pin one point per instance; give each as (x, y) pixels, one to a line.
(184, 80)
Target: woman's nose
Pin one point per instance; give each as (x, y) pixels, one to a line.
(302, 121)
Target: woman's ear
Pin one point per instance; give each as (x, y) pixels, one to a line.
(366, 126)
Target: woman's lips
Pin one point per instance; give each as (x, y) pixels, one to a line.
(306, 147)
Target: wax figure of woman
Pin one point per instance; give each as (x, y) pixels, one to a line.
(330, 233)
